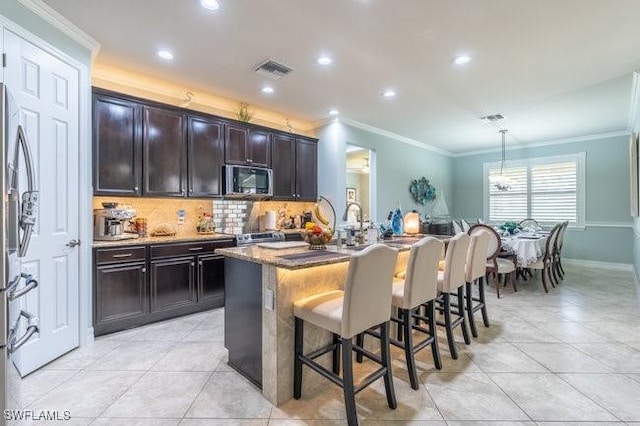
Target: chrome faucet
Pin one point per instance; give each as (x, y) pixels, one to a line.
(360, 237)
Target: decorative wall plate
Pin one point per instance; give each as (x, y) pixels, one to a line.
(422, 191)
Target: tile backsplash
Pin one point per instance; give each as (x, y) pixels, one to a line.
(230, 216)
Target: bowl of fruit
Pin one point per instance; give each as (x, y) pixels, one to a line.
(316, 236)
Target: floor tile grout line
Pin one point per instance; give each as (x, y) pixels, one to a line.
(509, 396)
(586, 396)
(206, 382)
(52, 389)
(122, 393)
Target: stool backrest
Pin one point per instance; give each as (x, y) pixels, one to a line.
(421, 279)
(550, 247)
(457, 228)
(454, 262)
(367, 291)
(465, 225)
(477, 256)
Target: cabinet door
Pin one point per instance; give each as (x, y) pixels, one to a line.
(283, 161)
(235, 144)
(164, 149)
(206, 157)
(172, 283)
(211, 279)
(120, 292)
(117, 156)
(306, 170)
(259, 148)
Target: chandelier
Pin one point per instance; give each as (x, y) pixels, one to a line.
(501, 182)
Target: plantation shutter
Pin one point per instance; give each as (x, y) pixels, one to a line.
(554, 192)
(509, 205)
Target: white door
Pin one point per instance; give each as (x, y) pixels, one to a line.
(46, 90)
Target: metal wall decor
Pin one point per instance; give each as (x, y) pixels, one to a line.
(422, 191)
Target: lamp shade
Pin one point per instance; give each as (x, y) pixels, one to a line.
(412, 223)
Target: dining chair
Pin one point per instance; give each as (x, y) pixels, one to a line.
(457, 228)
(418, 288)
(451, 281)
(465, 225)
(475, 272)
(528, 223)
(545, 263)
(364, 303)
(505, 266)
(557, 259)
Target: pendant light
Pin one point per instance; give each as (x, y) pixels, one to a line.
(501, 182)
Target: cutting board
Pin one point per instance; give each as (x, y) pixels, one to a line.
(281, 245)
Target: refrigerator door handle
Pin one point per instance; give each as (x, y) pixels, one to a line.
(13, 293)
(30, 198)
(14, 343)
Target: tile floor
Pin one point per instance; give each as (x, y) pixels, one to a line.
(569, 356)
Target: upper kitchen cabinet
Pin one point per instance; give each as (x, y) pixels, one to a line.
(164, 145)
(205, 156)
(246, 146)
(117, 147)
(295, 164)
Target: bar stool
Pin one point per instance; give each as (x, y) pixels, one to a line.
(452, 281)
(476, 269)
(364, 304)
(419, 287)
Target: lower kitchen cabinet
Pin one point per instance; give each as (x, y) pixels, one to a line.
(172, 283)
(136, 285)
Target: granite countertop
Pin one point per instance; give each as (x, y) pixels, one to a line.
(302, 257)
(163, 240)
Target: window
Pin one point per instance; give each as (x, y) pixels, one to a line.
(549, 190)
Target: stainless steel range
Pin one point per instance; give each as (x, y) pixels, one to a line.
(258, 237)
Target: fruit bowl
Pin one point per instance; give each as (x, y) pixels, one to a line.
(317, 237)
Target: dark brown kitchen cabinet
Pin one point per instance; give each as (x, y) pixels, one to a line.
(284, 167)
(247, 146)
(205, 156)
(117, 147)
(211, 280)
(295, 165)
(119, 288)
(172, 283)
(136, 285)
(164, 146)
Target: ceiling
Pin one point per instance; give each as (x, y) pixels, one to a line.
(554, 69)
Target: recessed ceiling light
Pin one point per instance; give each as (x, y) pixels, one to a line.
(324, 60)
(209, 4)
(334, 111)
(462, 59)
(165, 54)
(389, 93)
(267, 89)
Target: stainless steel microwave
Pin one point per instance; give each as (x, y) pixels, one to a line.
(247, 181)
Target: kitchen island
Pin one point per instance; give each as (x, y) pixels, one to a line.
(261, 285)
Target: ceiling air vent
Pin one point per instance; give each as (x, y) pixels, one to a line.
(492, 118)
(273, 69)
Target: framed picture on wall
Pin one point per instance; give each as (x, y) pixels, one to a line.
(633, 168)
(352, 195)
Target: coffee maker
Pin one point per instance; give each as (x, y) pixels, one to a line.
(109, 223)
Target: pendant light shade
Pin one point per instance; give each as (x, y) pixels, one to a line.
(501, 182)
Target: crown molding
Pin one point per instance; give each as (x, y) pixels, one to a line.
(61, 23)
(596, 136)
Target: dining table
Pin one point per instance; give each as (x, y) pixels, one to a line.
(527, 247)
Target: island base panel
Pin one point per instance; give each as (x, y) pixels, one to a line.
(243, 317)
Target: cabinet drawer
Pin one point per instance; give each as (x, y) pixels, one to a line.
(185, 249)
(120, 254)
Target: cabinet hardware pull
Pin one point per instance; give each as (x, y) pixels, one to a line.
(135, 188)
(120, 256)
(200, 263)
(193, 264)
(144, 269)
(195, 248)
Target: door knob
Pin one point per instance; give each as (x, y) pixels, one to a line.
(73, 243)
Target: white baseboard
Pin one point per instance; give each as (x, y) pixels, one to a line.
(602, 265)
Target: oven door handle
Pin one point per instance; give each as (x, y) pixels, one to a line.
(14, 343)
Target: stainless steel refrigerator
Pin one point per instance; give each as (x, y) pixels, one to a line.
(18, 218)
